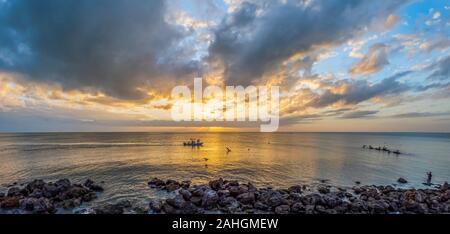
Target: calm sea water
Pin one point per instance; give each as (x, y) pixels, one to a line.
(126, 161)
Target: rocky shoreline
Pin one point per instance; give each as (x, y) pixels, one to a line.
(232, 197)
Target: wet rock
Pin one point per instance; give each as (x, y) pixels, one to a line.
(92, 186)
(237, 190)
(14, 192)
(49, 190)
(298, 207)
(323, 189)
(177, 202)
(246, 198)
(196, 200)
(402, 180)
(283, 209)
(35, 184)
(223, 193)
(295, 189)
(10, 202)
(155, 182)
(188, 208)
(445, 186)
(63, 184)
(271, 198)
(251, 187)
(172, 185)
(156, 205)
(210, 199)
(186, 184)
(216, 184)
(186, 194)
(261, 206)
(168, 209)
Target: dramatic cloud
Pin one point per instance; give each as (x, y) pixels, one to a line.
(354, 92)
(372, 62)
(255, 40)
(119, 47)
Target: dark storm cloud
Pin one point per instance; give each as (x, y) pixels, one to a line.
(251, 44)
(361, 90)
(115, 46)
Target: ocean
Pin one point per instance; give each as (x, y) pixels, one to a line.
(125, 162)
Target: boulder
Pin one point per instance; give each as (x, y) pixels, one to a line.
(323, 189)
(177, 202)
(10, 203)
(216, 184)
(295, 189)
(156, 205)
(186, 194)
(155, 182)
(246, 198)
(402, 180)
(210, 199)
(283, 209)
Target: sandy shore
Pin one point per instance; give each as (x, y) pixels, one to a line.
(230, 196)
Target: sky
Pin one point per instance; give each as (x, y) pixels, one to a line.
(110, 65)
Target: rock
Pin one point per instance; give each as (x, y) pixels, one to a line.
(246, 198)
(35, 184)
(445, 186)
(216, 184)
(251, 187)
(237, 190)
(168, 209)
(89, 197)
(357, 182)
(186, 194)
(271, 198)
(402, 180)
(10, 202)
(323, 189)
(210, 199)
(172, 187)
(297, 208)
(2, 195)
(28, 203)
(261, 206)
(63, 185)
(196, 200)
(49, 190)
(295, 189)
(37, 193)
(223, 193)
(283, 209)
(43, 206)
(188, 208)
(199, 191)
(155, 182)
(156, 205)
(92, 186)
(186, 184)
(14, 192)
(177, 202)
(75, 192)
